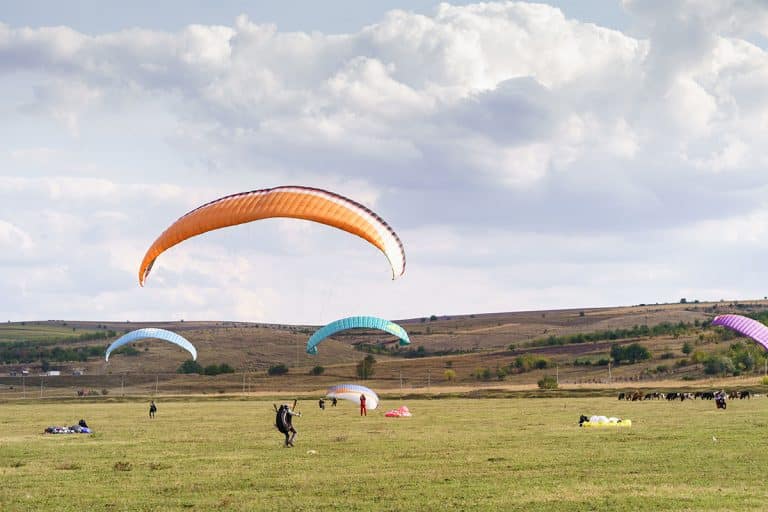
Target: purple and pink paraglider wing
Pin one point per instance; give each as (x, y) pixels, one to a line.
(745, 326)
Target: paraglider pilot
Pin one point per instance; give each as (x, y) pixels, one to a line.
(321, 403)
(363, 410)
(152, 409)
(284, 423)
(720, 399)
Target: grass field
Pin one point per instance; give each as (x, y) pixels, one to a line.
(453, 454)
(37, 332)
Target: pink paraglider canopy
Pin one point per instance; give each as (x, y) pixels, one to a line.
(400, 412)
(745, 326)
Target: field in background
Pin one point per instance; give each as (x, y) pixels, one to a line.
(38, 331)
(482, 454)
(454, 349)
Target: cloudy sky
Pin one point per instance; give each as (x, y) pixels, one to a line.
(569, 154)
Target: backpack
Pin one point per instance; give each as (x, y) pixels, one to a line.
(280, 419)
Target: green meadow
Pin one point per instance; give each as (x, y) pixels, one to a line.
(453, 454)
(37, 332)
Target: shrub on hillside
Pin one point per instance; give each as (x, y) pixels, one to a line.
(482, 373)
(366, 367)
(316, 371)
(631, 353)
(277, 369)
(214, 369)
(718, 365)
(547, 382)
(190, 366)
(528, 362)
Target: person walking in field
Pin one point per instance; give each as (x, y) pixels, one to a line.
(152, 409)
(284, 423)
(363, 410)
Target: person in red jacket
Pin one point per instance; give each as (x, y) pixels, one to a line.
(363, 410)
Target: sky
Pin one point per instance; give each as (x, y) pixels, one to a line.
(529, 155)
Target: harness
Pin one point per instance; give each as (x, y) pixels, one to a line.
(283, 420)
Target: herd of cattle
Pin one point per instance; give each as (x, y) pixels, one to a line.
(674, 395)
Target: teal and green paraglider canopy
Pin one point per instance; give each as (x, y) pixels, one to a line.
(356, 322)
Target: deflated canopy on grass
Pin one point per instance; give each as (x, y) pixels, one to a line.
(152, 333)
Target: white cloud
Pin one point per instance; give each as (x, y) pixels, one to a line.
(526, 159)
(12, 238)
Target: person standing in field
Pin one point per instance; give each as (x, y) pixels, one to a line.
(152, 409)
(321, 403)
(363, 410)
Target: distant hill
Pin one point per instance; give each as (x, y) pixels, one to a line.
(471, 349)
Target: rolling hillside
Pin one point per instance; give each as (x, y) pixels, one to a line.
(462, 350)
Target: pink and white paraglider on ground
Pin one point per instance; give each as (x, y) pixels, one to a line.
(400, 412)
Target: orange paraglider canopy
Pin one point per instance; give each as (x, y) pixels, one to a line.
(292, 202)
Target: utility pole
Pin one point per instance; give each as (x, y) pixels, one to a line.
(41, 386)
(23, 387)
(157, 381)
(401, 380)
(609, 372)
(243, 382)
(429, 378)
(557, 374)
(122, 385)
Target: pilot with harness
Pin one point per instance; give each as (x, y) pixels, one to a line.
(284, 422)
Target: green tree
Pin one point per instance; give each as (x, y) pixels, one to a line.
(718, 365)
(365, 368)
(687, 348)
(225, 368)
(631, 353)
(277, 369)
(190, 366)
(547, 382)
(317, 370)
(211, 369)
